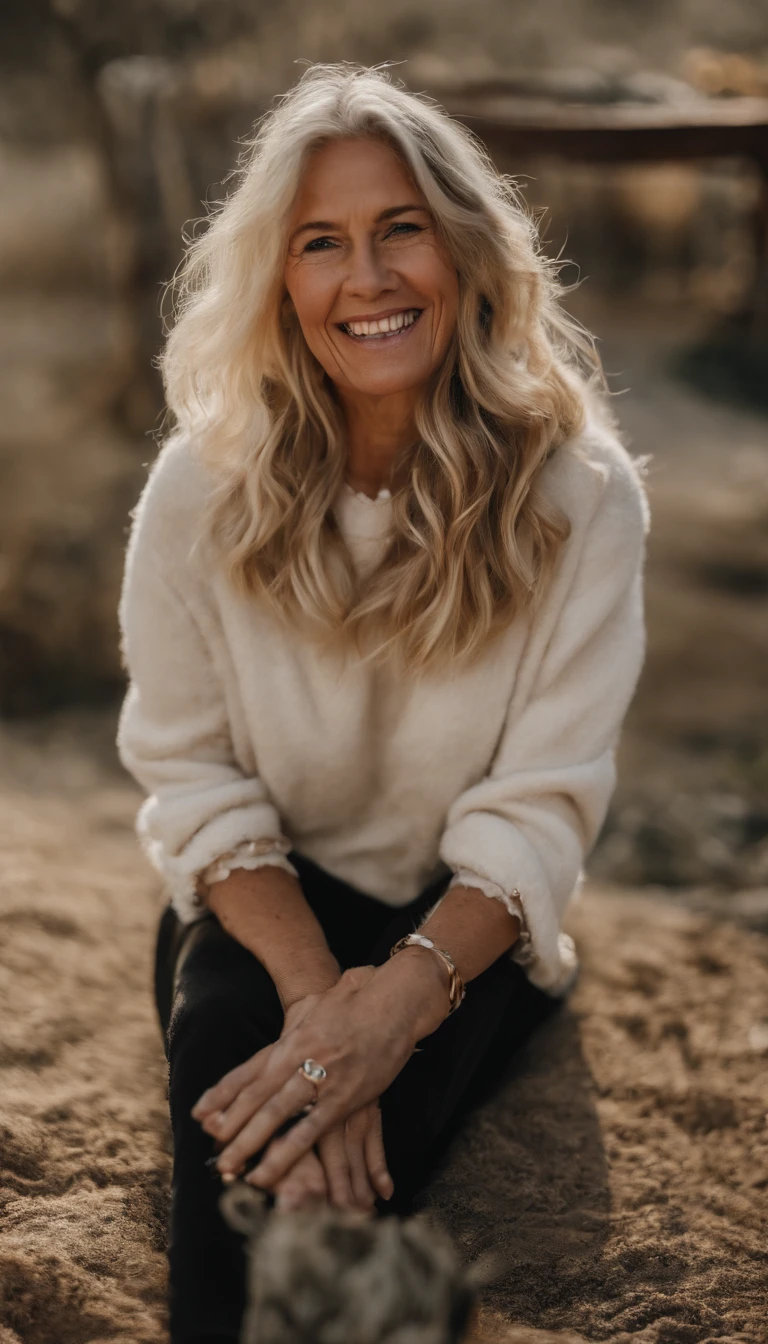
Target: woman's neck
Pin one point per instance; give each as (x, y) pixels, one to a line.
(378, 430)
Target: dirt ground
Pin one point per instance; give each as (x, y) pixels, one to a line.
(622, 1169)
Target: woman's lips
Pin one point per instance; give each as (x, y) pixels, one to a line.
(382, 336)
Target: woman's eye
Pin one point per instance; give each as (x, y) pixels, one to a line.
(326, 243)
(399, 230)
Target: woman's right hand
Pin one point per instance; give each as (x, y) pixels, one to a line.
(354, 1161)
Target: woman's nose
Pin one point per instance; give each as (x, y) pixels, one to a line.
(368, 273)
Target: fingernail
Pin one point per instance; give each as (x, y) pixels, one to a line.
(228, 1177)
(200, 1103)
(213, 1121)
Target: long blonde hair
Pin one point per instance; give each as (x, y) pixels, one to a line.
(473, 540)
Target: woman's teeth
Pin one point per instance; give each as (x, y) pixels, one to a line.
(382, 326)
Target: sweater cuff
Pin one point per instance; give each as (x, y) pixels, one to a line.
(491, 847)
(251, 854)
(182, 865)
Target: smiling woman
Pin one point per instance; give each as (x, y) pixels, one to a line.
(376, 291)
(382, 616)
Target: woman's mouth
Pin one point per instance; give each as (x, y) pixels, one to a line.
(382, 328)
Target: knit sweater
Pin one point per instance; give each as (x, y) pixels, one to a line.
(243, 732)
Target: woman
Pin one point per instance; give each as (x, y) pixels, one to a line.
(382, 618)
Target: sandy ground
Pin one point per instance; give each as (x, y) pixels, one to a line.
(622, 1169)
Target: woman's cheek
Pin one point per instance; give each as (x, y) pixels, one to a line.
(315, 323)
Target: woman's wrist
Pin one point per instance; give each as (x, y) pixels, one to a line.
(312, 974)
(418, 981)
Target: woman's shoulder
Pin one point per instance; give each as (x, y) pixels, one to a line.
(169, 518)
(592, 475)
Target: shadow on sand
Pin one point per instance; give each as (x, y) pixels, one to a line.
(527, 1178)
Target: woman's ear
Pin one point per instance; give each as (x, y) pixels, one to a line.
(244, 1209)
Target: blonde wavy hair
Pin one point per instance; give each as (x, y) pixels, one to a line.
(473, 539)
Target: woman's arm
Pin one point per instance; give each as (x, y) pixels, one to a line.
(202, 806)
(266, 910)
(474, 930)
(529, 824)
(174, 734)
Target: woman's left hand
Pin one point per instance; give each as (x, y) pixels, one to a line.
(362, 1031)
(353, 1165)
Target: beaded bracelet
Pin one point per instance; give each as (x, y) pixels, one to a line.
(456, 989)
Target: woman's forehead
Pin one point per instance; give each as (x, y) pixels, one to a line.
(361, 173)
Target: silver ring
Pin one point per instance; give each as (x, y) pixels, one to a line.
(312, 1071)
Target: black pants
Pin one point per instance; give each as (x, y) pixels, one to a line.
(218, 1006)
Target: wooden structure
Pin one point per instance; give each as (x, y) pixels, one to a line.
(703, 128)
(618, 132)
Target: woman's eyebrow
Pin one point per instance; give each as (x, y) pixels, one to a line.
(327, 225)
(399, 210)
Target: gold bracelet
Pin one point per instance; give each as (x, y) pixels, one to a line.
(456, 988)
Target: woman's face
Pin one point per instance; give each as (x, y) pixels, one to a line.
(372, 283)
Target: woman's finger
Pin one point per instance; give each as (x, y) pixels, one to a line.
(287, 1150)
(304, 1185)
(333, 1155)
(225, 1124)
(362, 1190)
(376, 1158)
(289, 1100)
(220, 1096)
(273, 1066)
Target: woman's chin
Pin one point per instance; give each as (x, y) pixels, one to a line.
(383, 382)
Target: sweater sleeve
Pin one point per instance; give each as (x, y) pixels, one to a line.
(528, 825)
(174, 737)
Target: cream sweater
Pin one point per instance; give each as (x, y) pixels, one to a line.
(244, 734)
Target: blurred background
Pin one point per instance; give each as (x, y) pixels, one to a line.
(639, 136)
